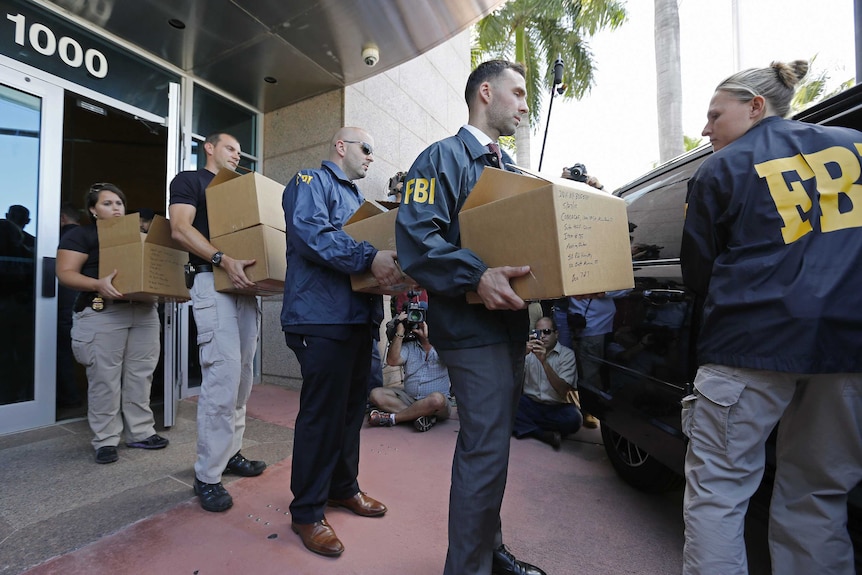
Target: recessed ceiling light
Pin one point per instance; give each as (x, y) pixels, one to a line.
(176, 23)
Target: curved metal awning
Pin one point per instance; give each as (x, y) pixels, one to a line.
(308, 47)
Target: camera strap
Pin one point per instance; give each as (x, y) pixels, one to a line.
(589, 303)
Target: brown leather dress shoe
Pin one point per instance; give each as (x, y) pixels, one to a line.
(319, 538)
(360, 504)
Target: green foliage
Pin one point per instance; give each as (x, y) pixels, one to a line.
(813, 88)
(690, 142)
(534, 32)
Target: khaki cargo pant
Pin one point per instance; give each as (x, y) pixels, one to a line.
(119, 347)
(228, 328)
(819, 460)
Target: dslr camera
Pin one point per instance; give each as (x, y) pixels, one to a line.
(578, 172)
(416, 314)
(394, 181)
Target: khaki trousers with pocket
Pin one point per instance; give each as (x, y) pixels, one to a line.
(119, 347)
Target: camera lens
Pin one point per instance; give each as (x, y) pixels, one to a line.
(415, 316)
(578, 172)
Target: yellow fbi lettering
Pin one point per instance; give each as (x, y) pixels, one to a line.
(419, 190)
(304, 178)
(792, 201)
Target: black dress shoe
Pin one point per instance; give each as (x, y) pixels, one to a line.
(504, 563)
(239, 465)
(552, 438)
(213, 496)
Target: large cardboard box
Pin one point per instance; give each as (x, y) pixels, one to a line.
(236, 202)
(149, 266)
(265, 245)
(374, 222)
(574, 238)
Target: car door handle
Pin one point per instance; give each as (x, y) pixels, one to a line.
(664, 295)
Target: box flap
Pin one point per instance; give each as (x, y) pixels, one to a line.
(368, 209)
(223, 175)
(495, 184)
(160, 233)
(119, 231)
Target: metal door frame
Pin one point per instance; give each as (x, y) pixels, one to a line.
(41, 411)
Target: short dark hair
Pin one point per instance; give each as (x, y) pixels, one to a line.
(70, 211)
(488, 71)
(214, 138)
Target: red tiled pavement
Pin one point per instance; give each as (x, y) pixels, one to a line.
(565, 511)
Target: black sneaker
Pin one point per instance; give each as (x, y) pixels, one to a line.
(152, 442)
(425, 422)
(106, 454)
(213, 496)
(239, 465)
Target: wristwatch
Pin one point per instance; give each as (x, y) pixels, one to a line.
(216, 259)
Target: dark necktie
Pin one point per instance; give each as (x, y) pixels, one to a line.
(496, 150)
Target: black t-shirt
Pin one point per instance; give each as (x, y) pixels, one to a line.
(84, 239)
(190, 188)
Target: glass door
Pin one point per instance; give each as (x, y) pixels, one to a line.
(31, 123)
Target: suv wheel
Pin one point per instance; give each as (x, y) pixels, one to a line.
(637, 467)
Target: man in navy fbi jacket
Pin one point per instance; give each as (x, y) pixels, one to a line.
(482, 344)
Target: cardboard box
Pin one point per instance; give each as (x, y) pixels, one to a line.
(265, 245)
(574, 238)
(149, 266)
(374, 222)
(239, 201)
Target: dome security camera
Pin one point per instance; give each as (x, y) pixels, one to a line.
(370, 54)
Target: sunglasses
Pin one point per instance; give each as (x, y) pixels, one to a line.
(365, 146)
(546, 331)
(99, 186)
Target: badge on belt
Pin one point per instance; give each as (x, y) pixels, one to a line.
(98, 304)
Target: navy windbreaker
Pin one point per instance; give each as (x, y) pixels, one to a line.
(428, 239)
(321, 256)
(773, 242)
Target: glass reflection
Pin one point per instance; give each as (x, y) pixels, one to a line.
(19, 149)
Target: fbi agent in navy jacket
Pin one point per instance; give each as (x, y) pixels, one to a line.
(483, 345)
(773, 243)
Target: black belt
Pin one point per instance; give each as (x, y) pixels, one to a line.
(199, 268)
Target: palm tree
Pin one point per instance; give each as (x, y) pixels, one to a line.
(813, 88)
(534, 33)
(668, 79)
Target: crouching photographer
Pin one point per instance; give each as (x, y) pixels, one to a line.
(578, 173)
(425, 395)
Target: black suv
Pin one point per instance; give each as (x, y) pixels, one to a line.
(642, 385)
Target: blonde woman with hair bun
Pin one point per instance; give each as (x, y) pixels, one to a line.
(771, 246)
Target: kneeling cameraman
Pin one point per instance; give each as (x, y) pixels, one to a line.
(425, 397)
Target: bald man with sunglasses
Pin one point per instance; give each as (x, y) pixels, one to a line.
(329, 328)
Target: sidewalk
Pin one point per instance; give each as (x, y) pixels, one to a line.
(565, 511)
